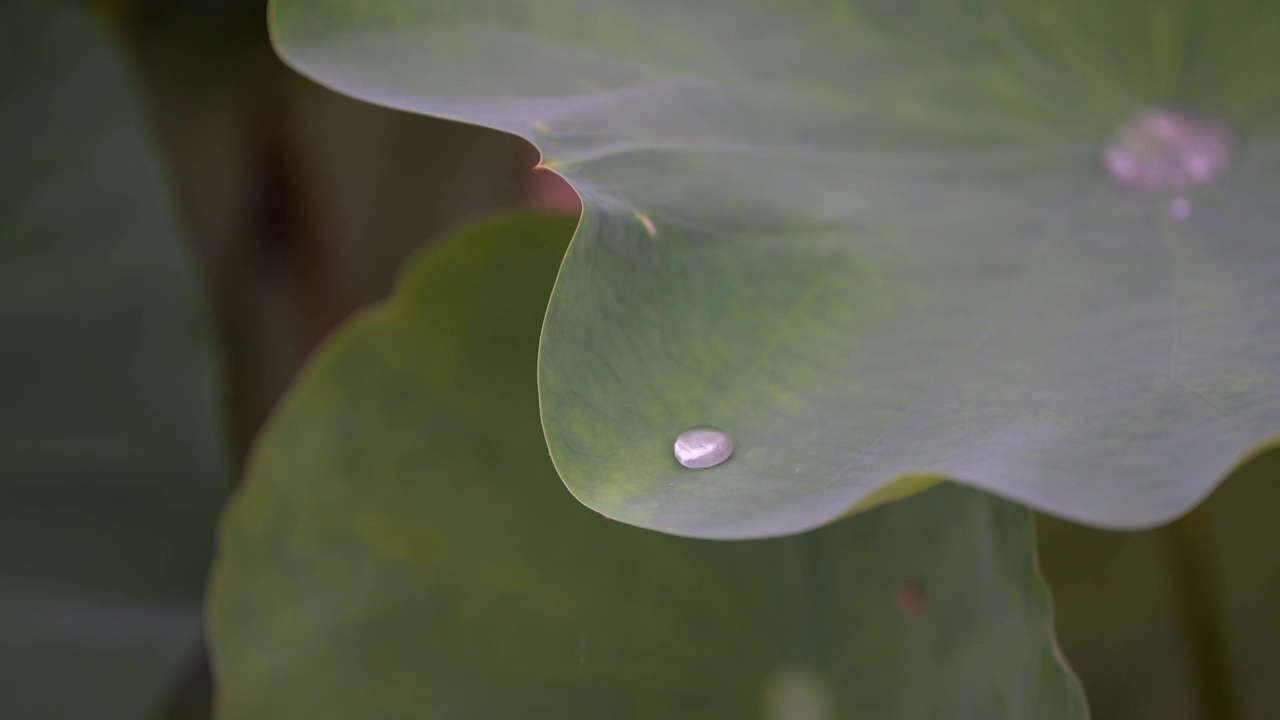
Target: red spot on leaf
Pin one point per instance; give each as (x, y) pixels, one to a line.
(912, 599)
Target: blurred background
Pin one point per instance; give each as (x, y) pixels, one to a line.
(300, 202)
(300, 205)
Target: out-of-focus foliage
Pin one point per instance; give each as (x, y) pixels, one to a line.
(1130, 623)
(111, 463)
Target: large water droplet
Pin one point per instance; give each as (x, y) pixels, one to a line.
(1164, 150)
(703, 447)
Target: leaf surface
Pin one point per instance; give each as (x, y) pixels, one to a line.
(401, 548)
(870, 239)
(111, 465)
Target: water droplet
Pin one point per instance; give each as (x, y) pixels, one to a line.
(703, 447)
(1164, 150)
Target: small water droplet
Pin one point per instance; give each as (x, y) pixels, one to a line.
(1166, 150)
(703, 447)
(1180, 207)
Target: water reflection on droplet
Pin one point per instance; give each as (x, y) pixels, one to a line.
(703, 447)
(1164, 150)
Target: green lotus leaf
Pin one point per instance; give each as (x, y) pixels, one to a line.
(875, 241)
(111, 464)
(400, 548)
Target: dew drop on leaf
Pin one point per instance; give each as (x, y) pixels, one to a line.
(1164, 150)
(703, 447)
